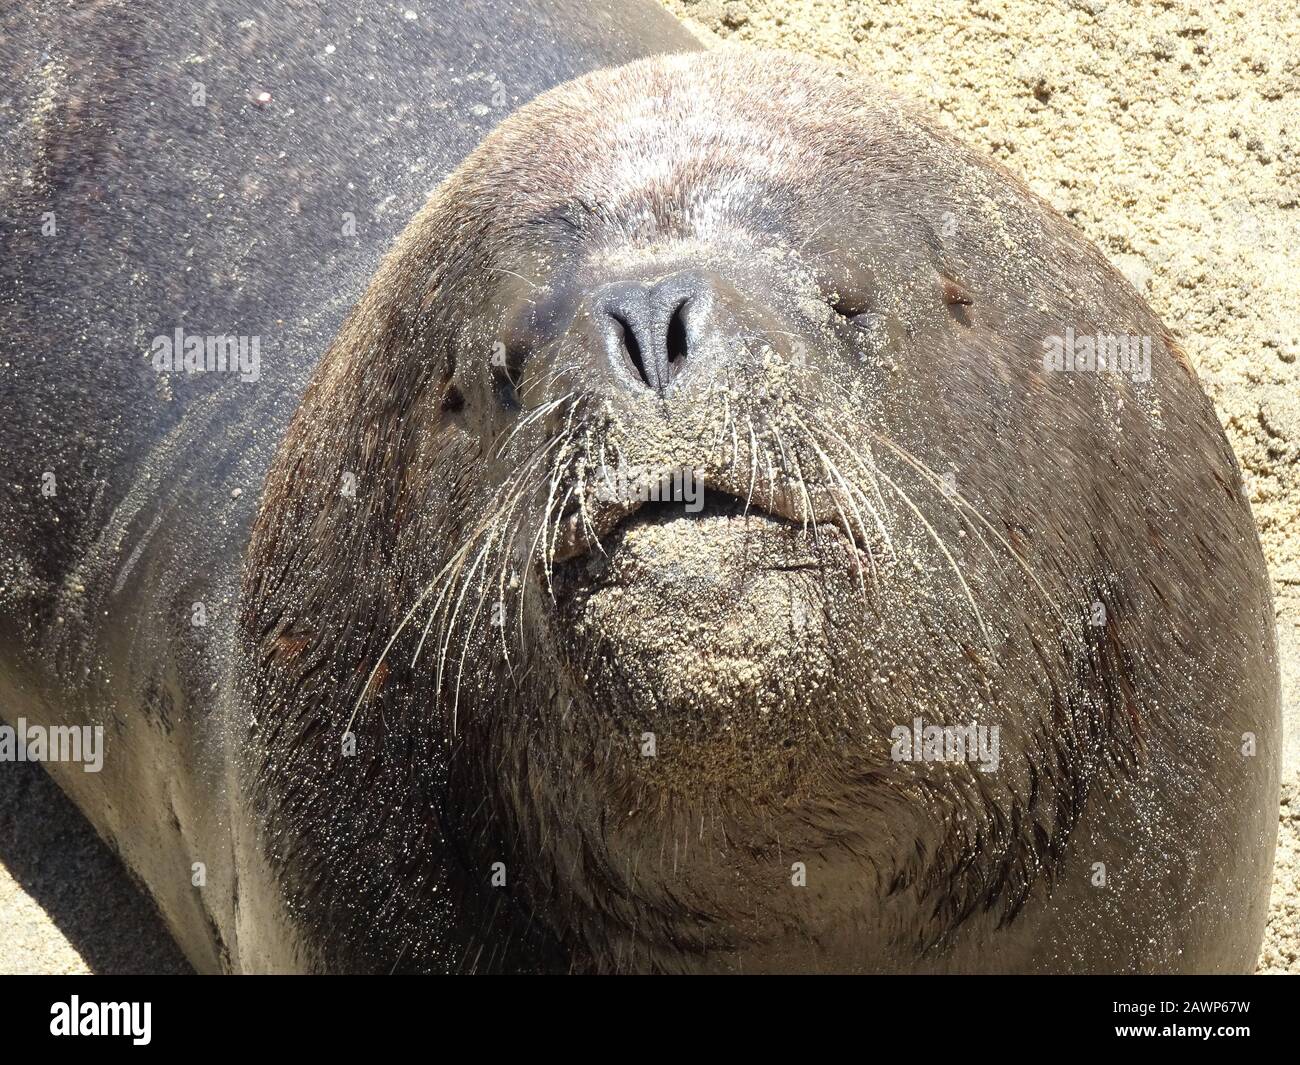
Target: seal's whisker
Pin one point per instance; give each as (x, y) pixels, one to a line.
(926, 472)
(588, 531)
(780, 444)
(876, 472)
(540, 538)
(428, 625)
(735, 443)
(833, 471)
(771, 479)
(506, 552)
(451, 625)
(550, 556)
(503, 441)
(488, 527)
(533, 415)
(507, 508)
(947, 554)
(543, 382)
(881, 527)
(726, 422)
(813, 235)
(715, 445)
(809, 515)
(514, 273)
(871, 469)
(365, 688)
(937, 482)
(753, 464)
(450, 585)
(557, 476)
(465, 646)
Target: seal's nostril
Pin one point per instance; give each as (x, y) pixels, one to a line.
(632, 347)
(677, 337)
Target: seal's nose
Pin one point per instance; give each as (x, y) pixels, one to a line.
(650, 330)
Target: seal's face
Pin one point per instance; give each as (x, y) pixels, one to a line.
(671, 374)
(694, 441)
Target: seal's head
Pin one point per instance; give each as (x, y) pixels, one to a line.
(681, 465)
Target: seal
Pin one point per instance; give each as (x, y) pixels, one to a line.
(737, 528)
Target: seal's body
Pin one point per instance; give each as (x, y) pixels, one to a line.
(963, 662)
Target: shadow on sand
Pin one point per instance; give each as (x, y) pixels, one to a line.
(59, 860)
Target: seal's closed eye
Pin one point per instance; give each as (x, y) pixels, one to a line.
(453, 400)
(850, 289)
(534, 317)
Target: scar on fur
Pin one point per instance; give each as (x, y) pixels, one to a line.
(286, 648)
(956, 298)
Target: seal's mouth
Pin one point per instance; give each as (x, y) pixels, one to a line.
(589, 522)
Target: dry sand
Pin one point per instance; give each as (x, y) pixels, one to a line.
(1167, 131)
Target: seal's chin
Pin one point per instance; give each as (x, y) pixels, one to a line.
(716, 623)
